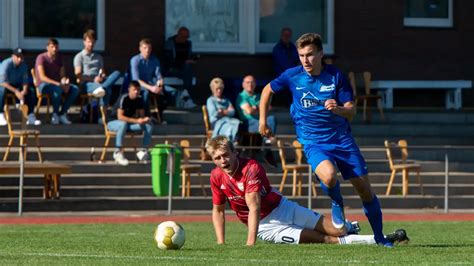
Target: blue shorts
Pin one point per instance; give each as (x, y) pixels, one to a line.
(349, 161)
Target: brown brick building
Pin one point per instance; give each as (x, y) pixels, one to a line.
(366, 35)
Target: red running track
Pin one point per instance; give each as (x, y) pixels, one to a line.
(207, 218)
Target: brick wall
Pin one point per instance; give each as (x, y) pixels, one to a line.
(369, 34)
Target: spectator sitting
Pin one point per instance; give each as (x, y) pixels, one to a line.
(14, 78)
(145, 68)
(52, 80)
(129, 115)
(221, 112)
(89, 70)
(247, 106)
(284, 53)
(179, 61)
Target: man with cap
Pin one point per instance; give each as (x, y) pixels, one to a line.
(14, 78)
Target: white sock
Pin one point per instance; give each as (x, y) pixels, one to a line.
(357, 239)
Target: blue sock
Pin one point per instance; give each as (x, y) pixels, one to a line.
(374, 214)
(334, 192)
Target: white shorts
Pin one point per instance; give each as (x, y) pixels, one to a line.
(285, 223)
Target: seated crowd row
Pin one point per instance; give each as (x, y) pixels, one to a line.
(143, 79)
(50, 76)
(131, 116)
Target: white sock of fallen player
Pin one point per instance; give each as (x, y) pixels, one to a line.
(357, 239)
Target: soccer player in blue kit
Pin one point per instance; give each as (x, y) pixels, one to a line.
(323, 105)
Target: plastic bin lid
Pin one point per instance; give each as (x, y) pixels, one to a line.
(162, 149)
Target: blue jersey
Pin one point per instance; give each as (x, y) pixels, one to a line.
(314, 124)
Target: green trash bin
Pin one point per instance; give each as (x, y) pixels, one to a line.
(160, 169)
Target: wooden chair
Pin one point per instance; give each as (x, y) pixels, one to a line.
(366, 97)
(299, 160)
(207, 126)
(110, 134)
(297, 168)
(40, 96)
(86, 98)
(22, 133)
(155, 109)
(401, 165)
(207, 123)
(10, 96)
(187, 169)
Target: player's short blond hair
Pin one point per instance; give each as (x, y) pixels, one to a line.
(216, 83)
(218, 143)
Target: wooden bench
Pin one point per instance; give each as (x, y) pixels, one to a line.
(51, 174)
(453, 89)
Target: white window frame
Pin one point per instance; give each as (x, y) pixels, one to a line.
(15, 33)
(249, 33)
(432, 22)
(5, 19)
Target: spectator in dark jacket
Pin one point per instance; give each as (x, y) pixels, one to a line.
(178, 57)
(284, 53)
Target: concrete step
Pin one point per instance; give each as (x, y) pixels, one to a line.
(84, 153)
(144, 179)
(77, 191)
(96, 138)
(396, 115)
(62, 151)
(388, 130)
(205, 203)
(109, 166)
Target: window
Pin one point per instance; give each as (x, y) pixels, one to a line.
(301, 16)
(3, 23)
(65, 20)
(428, 13)
(213, 24)
(249, 26)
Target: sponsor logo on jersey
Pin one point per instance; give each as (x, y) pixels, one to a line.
(300, 88)
(327, 88)
(308, 100)
(235, 197)
(222, 186)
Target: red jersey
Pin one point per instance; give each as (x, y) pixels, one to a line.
(250, 177)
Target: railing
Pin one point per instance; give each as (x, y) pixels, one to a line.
(412, 149)
(447, 149)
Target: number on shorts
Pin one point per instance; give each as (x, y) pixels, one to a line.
(288, 239)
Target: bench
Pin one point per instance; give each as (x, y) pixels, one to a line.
(453, 94)
(51, 174)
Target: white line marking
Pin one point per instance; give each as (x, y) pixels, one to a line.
(175, 258)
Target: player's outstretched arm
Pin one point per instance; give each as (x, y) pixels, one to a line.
(253, 203)
(218, 219)
(264, 107)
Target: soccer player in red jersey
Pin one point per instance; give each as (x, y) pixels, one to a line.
(269, 215)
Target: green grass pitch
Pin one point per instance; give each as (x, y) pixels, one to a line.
(432, 243)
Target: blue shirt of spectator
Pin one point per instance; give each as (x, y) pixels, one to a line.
(145, 70)
(13, 74)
